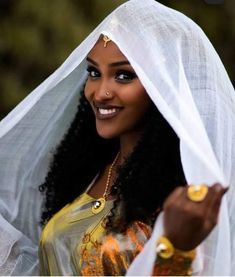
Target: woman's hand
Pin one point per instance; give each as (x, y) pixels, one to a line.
(188, 223)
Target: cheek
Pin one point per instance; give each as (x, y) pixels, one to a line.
(87, 91)
(139, 99)
(142, 105)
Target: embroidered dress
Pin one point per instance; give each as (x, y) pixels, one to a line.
(75, 242)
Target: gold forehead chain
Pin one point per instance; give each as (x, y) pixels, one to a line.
(106, 39)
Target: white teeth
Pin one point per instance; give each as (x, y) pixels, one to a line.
(106, 111)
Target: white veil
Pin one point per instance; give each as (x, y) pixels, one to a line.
(185, 78)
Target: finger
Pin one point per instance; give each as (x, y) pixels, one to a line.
(214, 201)
(218, 191)
(214, 192)
(177, 192)
(197, 196)
(174, 196)
(203, 207)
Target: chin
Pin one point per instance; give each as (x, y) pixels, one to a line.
(107, 134)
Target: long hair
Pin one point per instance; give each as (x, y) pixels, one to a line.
(144, 181)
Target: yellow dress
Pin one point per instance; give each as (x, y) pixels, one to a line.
(74, 242)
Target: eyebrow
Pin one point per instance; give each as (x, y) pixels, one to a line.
(111, 64)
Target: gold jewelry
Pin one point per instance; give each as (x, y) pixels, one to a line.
(107, 93)
(99, 204)
(106, 39)
(166, 250)
(197, 193)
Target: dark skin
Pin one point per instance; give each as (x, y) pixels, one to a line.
(128, 100)
(195, 220)
(109, 70)
(97, 190)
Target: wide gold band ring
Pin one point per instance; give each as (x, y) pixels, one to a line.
(197, 193)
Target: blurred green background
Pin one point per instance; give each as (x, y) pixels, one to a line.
(37, 35)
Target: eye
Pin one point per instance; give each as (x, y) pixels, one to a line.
(93, 73)
(125, 76)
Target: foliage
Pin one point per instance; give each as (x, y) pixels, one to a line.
(36, 36)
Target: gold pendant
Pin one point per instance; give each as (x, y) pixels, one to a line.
(106, 40)
(98, 205)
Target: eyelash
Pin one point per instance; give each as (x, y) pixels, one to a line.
(91, 69)
(127, 75)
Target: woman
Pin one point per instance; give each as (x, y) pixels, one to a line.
(125, 119)
(179, 71)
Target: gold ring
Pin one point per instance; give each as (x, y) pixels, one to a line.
(197, 193)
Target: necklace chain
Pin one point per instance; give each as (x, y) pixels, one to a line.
(99, 204)
(107, 186)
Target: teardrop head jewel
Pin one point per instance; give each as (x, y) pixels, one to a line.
(99, 204)
(106, 40)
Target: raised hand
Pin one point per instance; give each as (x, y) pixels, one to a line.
(188, 222)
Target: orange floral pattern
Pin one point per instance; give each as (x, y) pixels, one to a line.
(115, 253)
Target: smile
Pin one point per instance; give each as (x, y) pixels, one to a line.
(106, 113)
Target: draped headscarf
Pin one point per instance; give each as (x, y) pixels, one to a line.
(186, 80)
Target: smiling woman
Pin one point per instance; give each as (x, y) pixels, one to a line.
(116, 138)
(139, 110)
(115, 93)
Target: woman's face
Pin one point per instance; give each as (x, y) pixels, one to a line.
(115, 93)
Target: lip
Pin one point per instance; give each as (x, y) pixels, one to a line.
(101, 116)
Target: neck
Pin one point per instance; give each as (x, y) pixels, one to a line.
(127, 144)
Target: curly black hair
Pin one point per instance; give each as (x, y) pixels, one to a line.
(144, 181)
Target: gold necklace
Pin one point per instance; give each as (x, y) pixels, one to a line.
(99, 204)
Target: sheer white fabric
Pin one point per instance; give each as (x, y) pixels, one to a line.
(185, 78)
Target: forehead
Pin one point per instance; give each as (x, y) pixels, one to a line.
(110, 52)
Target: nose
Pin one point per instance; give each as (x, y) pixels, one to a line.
(104, 91)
